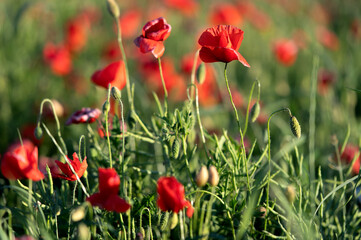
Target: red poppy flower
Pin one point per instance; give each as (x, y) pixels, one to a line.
(355, 28)
(27, 131)
(114, 74)
(76, 34)
(325, 80)
(85, 115)
(327, 38)
(171, 196)
(79, 168)
(186, 7)
(285, 51)
(111, 51)
(348, 154)
(221, 44)
(129, 22)
(107, 197)
(225, 14)
(256, 17)
(21, 162)
(153, 34)
(58, 57)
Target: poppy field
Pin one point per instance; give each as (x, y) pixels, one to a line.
(180, 119)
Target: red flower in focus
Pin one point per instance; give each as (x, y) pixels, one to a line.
(114, 74)
(327, 38)
(58, 57)
(85, 115)
(225, 14)
(129, 22)
(171, 196)
(107, 197)
(153, 34)
(76, 34)
(21, 162)
(187, 7)
(79, 168)
(221, 44)
(285, 51)
(325, 80)
(348, 154)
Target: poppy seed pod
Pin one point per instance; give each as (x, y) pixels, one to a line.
(113, 8)
(202, 177)
(295, 127)
(201, 73)
(255, 112)
(117, 95)
(213, 176)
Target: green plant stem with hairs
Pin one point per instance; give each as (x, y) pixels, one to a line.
(164, 87)
(106, 113)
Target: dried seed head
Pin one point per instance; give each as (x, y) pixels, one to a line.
(113, 8)
(255, 111)
(202, 177)
(295, 127)
(78, 214)
(213, 176)
(175, 148)
(291, 193)
(201, 73)
(38, 133)
(174, 221)
(117, 95)
(106, 107)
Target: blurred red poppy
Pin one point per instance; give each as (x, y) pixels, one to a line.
(79, 168)
(186, 7)
(111, 51)
(153, 34)
(107, 197)
(327, 38)
(348, 154)
(225, 14)
(129, 22)
(355, 28)
(285, 51)
(76, 34)
(256, 17)
(21, 162)
(25, 237)
(27, 131)
(85, 115)
(45, 161)
(114, 74)
(171, 196)
(58, 57)
(221, 44)
(325, 80)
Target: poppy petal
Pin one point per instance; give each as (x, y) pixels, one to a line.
(115, 203)
(207, 55)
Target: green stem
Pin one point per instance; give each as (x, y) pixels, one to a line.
(184, 141)
(193, 74)
(164, 87)
(123, 143)
(30, 193)
(107, 127)
(249, 104)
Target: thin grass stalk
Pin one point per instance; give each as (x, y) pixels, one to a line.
(107, 127)
(164, 87)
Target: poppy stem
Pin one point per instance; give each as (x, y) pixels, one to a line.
(194, 69)
(164, 87)
(249, 104)
(107, 127)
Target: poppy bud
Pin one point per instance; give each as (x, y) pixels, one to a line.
(291, 193)
(83, 232)
(106, 107)
(175, 148)
(38, 132)
(202, 177)
(201, 73)
(295, 127)
(117, 95)
(113, 8)
(174, 221)
(255, 112)
(78, 214)
(213, 176)
(142, 232)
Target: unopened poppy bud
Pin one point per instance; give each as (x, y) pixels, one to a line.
(175, 148)
(213, 176)
(78, 214)
(201, 73)
(291, 193)
(117, 95)
(142, 231)
(83, 232)
(202, 177)
(295, 127)
(38, 132)
(255, 112)
(106, 107)
(113, 8)
(174, 221)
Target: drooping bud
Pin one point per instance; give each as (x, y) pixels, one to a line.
(201, 73)
(213, 176)
(117, 95)
(295, 127)
(113, 8)
(202, 177)
(174, 221)
(38, 133)
(291, 193)
(255, 111)
(175, 148)
(106, 107)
